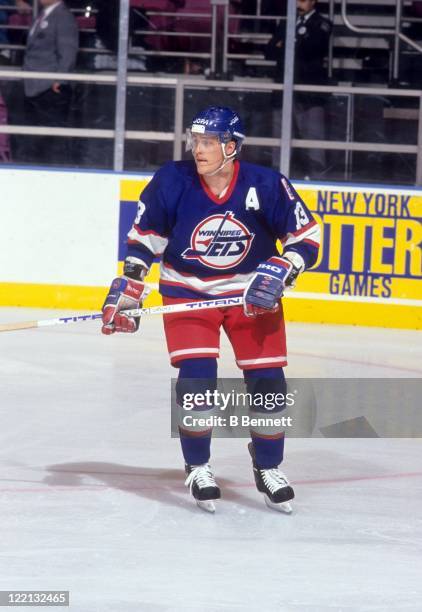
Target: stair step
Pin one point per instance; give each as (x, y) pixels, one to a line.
(401, 113)
(367, 21)
(357, 42)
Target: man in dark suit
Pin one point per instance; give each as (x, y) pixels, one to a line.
(52, 46)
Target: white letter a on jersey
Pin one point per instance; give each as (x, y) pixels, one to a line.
(252, 202)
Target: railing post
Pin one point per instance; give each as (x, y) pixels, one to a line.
(286, 118)
(121, 87)
(397, 29)
(349, 136)
(222, 56)
(331, 40)
(419, 154)
(178, 121)
(358, 29)
(213, 38)
(226, 9)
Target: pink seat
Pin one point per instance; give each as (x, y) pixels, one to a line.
(182, 23)
(20, 19)
(201, 25)
(157, 22)
(4, 138)
(86, 22)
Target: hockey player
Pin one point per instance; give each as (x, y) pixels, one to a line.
(215, 221)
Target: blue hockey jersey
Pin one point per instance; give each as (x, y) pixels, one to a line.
(210, 246)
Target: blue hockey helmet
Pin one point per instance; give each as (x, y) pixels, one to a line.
(219, 121)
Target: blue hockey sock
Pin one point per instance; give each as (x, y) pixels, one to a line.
(196, 376)
(269, 450)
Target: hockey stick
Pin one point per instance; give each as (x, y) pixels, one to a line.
(138, 312)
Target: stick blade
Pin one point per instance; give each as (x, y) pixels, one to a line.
(17, 326)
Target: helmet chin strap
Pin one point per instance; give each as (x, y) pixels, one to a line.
(226, 159)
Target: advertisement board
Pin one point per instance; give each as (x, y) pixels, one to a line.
(370, 262)
(63, 238)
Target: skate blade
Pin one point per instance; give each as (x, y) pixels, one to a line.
(285, 507)
(208, 505)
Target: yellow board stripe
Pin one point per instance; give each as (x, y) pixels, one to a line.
(130, 190)
(74, 297)
(313, 311)
(348, 313)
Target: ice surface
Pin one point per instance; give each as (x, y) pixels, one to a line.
(92, 497)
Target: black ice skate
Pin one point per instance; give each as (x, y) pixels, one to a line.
(273, 484)
(202, 485)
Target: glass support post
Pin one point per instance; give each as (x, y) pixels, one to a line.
(286, 117)
(121, 86)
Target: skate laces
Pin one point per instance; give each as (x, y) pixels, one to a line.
(202, 475)
(274, 479)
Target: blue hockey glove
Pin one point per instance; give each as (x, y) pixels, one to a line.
(266, 287)
(125, 293)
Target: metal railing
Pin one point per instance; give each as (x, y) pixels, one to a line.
(122, 81)
(255, 37)
(211, 35)
(182, 85)
(259, 38)
(152, 32)
(396, 32)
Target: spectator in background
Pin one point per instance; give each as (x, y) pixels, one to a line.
(107, 23)
(23, 6)
(20, 22)
(313, 33)
(52, 46)
(4, 138)
(4, 39)
(187, 25)
(161, 23)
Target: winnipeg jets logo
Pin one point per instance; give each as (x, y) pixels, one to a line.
(219, 242)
